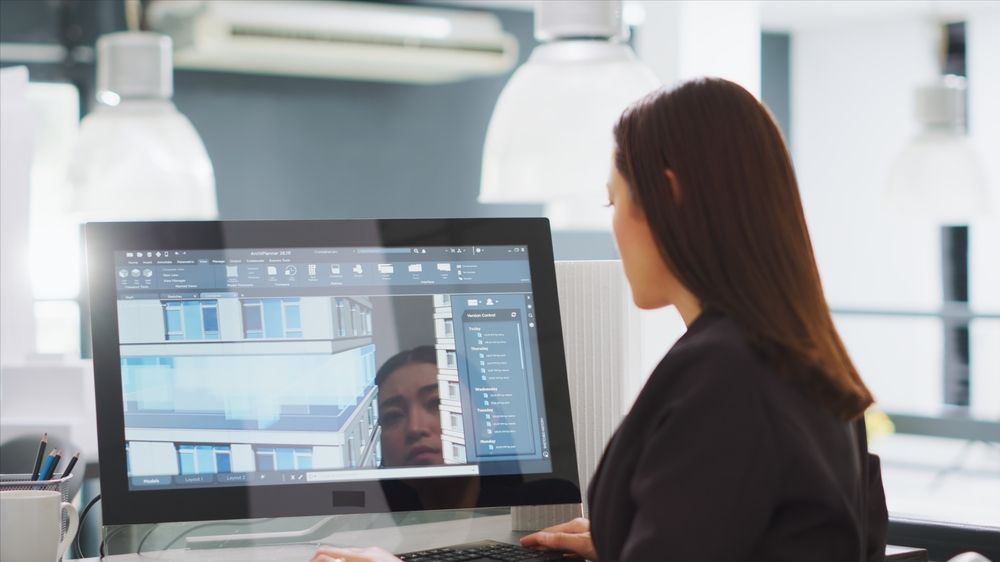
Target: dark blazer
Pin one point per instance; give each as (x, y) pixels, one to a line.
(720, 459)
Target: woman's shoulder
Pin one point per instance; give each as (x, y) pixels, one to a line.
(713, 350)
(712, 369)
(715, 368)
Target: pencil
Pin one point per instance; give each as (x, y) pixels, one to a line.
(40, 456)
(48, 466)
(55, 463)
(69, 466)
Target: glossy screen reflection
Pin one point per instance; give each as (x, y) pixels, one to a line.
(263, 367)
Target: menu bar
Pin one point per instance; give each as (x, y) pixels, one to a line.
(282, 273)
(319, 255)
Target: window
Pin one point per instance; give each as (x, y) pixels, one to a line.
(292, 319)
(266, 459)
(272, 318)
(223, 460)
(351, 318)
(204, 459)
(253, 320)
(191, 320)
(453, 421)
(452, 391)
(457, 453)
(302, 459)
(343, 321)
(283, 458)
(917, 305)
(372, 415)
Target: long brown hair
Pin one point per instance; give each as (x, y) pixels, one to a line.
(733, 230)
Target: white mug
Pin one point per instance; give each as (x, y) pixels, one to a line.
(31, 526)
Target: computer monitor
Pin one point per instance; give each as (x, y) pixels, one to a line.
(251, 369)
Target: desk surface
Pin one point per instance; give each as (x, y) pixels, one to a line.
(396, 539)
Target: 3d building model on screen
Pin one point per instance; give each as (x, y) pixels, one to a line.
(452, 423)
(228, 386)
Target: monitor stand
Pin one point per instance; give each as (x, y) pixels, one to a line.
(295, 531)
(314, 533)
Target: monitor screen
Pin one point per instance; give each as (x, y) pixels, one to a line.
(243, 365)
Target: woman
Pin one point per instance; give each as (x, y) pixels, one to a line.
(408, 407)
(747, 442)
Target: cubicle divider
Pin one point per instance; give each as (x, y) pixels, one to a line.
(611, 346)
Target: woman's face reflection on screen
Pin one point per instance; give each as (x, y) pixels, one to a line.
(408, 413)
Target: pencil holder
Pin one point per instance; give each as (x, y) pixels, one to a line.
(24, 482)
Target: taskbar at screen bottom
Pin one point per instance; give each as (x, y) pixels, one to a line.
(297, 476)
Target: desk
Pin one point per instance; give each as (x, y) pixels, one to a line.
(420, 536)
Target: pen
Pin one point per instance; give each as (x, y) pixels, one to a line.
(50, 465)
(40, 456)
(69, 466)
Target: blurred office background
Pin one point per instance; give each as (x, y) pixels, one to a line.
(840, 77)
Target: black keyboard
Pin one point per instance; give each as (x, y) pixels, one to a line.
(485, 551)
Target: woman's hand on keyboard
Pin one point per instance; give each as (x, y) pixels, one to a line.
(571, 536)
(334, 554)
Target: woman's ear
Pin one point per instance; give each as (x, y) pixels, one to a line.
(675, 186)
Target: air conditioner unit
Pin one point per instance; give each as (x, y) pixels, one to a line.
(333, 39)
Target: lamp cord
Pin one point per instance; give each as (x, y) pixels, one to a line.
(133, 15)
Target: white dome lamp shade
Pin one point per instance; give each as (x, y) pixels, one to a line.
(137, 157)
(549, 140)
(938, 175)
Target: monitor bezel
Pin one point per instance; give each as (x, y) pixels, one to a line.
(121, 505)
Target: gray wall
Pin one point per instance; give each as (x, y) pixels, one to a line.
(313, 148)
